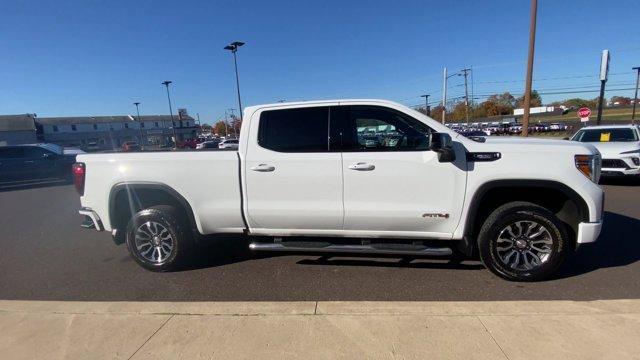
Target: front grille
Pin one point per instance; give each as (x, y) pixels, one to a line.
(614, 164)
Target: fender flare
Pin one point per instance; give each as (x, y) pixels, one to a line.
(474, 205)
(147, 185)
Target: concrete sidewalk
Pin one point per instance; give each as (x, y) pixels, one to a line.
(608, 329)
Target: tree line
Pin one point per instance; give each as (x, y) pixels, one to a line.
(505, 103)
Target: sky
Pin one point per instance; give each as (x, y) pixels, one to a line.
(90, 57)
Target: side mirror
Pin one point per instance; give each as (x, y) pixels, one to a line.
(46, 156)
(441, 143)
(565, 138)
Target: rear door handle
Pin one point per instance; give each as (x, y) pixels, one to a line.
(263, 168)
(361, 166)
(29, 161)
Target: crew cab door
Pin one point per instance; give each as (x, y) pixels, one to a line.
(394, 185)
(293, 182)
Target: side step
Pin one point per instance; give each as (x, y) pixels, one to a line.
(381, 248)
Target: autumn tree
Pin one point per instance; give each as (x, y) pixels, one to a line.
(536, 100)
(621, 100)
(220, 128)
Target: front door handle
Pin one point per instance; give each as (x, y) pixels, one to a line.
(263, 168)
(361, 166)
(29, 162)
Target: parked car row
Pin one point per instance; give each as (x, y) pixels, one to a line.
(509, 129)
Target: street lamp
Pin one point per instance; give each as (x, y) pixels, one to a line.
(173, 125)
(233, 47)
(140, 124)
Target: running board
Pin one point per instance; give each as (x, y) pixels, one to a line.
(387, 249)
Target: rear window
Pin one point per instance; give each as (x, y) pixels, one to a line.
(606, 135)
(295, 130)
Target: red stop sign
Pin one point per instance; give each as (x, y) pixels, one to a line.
(584, 112)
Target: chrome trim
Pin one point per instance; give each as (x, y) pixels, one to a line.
(93, 216)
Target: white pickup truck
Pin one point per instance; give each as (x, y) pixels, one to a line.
(353, 176)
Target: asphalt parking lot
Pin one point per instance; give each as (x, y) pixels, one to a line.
(45, 255)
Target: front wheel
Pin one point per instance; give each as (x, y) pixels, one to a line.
(521, 241)
(157, 238)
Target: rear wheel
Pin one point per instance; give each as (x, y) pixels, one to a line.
(157, 238)
(521, 241)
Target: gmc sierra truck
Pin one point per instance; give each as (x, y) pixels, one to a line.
(353, 177)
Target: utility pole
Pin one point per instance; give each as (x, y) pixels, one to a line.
(604, 73)
(465, 72)
(635, 97)
(529, 79)
(427, 108)
(139, 124)
(233, 122)
(444, 95)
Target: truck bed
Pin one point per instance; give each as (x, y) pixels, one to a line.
(208, 180)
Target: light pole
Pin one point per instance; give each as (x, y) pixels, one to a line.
(173, 125)
(529, 78)
(139, 124)
(635, 97)
(233, 47)
(426, 104)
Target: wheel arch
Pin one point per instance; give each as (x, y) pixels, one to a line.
(568, 205)
(127, 198)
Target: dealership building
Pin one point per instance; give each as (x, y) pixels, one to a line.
(108, 132)
(17, 129)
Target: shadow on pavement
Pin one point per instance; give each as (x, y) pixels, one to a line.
(618, 245)
(415, 263)
(621, 181)
(24, 184)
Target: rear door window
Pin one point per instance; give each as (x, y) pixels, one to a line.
(295, 130)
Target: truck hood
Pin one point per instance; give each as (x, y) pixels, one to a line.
(614, 149)
(514, 143)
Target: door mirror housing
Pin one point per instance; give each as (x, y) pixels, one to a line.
(442, 144)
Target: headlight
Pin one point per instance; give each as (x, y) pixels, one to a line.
(589, 166)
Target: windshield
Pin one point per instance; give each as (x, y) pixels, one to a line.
(606, 135)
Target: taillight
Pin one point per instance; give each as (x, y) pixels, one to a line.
(79, 171)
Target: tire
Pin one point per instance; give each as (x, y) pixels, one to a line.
(163, 242)
(514, 233)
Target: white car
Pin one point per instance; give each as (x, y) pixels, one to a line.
(619, 146)
(302, 171)
(228, 144)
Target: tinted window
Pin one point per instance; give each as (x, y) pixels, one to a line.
(374, 128)
(295, 130)
(606, 135)
(11, 153)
